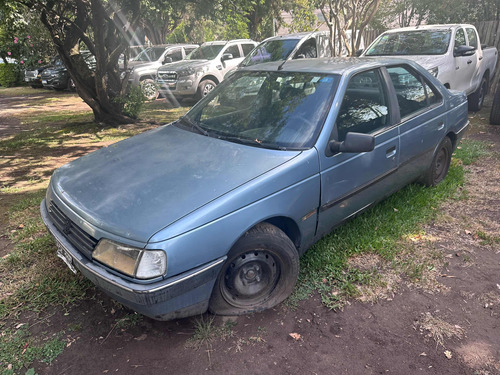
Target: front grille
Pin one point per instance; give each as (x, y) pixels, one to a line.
(167, 76)
(84, 242)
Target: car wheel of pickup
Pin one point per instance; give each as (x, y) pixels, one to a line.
(495, 108)
(440, 164)
(149, 89)
(476, 99)
(204, 88)
(71, 85)
(260, 272)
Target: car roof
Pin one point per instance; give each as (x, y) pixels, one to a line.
(428, 27)
(295, 35)
(327, 65)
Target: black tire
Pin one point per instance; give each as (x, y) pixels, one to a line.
(149, 89)
(260, 272)
(440, 164)
(204, 88)
(495, 108)
(476, 99)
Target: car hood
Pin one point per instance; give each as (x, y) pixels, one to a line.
(139, 186)
(427, 61)
(184, 64)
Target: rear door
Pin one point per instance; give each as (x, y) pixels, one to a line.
(351, 182)
(422, 124)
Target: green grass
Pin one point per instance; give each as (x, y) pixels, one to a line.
(380, 230)
(19, 349)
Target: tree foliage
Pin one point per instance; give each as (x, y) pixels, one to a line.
(343, 15)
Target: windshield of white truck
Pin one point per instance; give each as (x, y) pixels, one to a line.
(272, 50)
(415, 42)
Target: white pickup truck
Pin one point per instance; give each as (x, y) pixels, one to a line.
(452, 53)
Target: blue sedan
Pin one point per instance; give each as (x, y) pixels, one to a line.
(214, 210)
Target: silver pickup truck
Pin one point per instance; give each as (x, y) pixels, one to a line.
(203, 69)
(142, 68)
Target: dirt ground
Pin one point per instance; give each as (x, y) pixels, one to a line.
(450, 326)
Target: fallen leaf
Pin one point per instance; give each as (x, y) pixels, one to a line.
(19, 325)
(141, 337)
(396, 210)
(21, 226)
(447, 354)
(424, 354)
(295, 336)
(468, 232)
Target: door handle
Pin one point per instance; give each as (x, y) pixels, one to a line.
(440, 125)
(390, 152)
(469, 62)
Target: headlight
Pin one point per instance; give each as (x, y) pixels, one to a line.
(132, 261)
(434, 71)
(186, 72)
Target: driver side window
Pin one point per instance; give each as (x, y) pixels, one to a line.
(364, 108)
(460, 38)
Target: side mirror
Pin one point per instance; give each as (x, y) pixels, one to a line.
(227, 56)
(167, 60)
(353, 143)
(463, 51)
(359, 52)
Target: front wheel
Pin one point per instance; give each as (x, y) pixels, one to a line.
(260, 272)
(149, 89)
(204, 88)
(476, 99)
(440, 164)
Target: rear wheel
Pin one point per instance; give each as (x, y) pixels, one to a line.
(476, 99)
(260, 272)
(440, 164)
(495, 108)
(149, 89)
(71, 85)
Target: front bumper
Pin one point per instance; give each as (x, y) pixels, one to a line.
(184, 86)
(183, 295)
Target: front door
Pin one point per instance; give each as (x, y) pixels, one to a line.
(351, 182)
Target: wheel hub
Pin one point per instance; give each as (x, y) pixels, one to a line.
(250, 278)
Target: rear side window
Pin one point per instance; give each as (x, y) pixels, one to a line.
(471, 34)
(413, 92)
(364, 108)
(247, 48)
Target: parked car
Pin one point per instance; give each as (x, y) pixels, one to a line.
(452, 53)
(214, 210)
(142, 68)
(33, 76)
(203, 69)
(57, 77)
(288, 47)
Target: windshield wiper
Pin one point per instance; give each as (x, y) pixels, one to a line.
(247, 141)
(193, 124)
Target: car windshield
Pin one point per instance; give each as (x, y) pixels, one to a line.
(418, 42)
(278, 110)
(208, 52)
(150, 54)
(272, 50)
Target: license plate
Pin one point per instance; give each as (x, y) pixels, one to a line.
(65, 256)
(44, 81)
